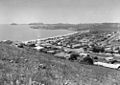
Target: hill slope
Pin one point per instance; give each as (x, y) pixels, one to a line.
(19, 66)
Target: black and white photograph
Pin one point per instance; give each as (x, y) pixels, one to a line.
(59, 42)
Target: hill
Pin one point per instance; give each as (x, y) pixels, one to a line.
(79, 27)
(106, 27)
(27, 66)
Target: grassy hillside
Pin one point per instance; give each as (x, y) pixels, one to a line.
(25, 66)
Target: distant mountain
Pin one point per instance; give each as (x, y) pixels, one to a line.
(78, 27)
(35, 23)
(75, 27)
(106, 27)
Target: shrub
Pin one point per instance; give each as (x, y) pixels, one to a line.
(96, 57)
(74, 56)
(87, 60)
(98, 49)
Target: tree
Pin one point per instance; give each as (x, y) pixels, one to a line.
(87, 60)
(98, 49)
(74, 56)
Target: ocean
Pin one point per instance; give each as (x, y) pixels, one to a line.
(24, 32)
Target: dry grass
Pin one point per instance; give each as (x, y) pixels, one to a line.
(21, 65)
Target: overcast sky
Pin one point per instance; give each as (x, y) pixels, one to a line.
(59, 11)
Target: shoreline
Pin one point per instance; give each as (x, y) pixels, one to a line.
(56, 36)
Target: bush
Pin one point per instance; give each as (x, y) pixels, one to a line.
(87, 60)
(98, 49)
(95, 57)
(74, 56)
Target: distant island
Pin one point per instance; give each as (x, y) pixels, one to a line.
(13, 24)
(35, 23)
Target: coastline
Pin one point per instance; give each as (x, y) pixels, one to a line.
(55, 36)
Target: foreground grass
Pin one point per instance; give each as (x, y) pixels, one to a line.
(27, 66)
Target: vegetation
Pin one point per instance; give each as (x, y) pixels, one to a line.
(98, 49)
(28, 67)
(74, 56)
(87, 60)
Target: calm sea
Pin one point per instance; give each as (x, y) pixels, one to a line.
(24, 32)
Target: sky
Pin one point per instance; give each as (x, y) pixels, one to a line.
(59, 11)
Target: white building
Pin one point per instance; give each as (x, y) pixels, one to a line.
(114, 66)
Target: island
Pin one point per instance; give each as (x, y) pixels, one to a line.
(13, 24)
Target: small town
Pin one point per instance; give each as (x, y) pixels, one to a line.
(100, 47)
(59, 42)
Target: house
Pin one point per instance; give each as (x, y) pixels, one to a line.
(108, 54)
(38, 48)
(62, 55)
(117, 55)
(83, 54)
(76, 46)
(51, 51)
(108, 58)
(79, 50)
(114, 66)
(108, 50)
(84, 40)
